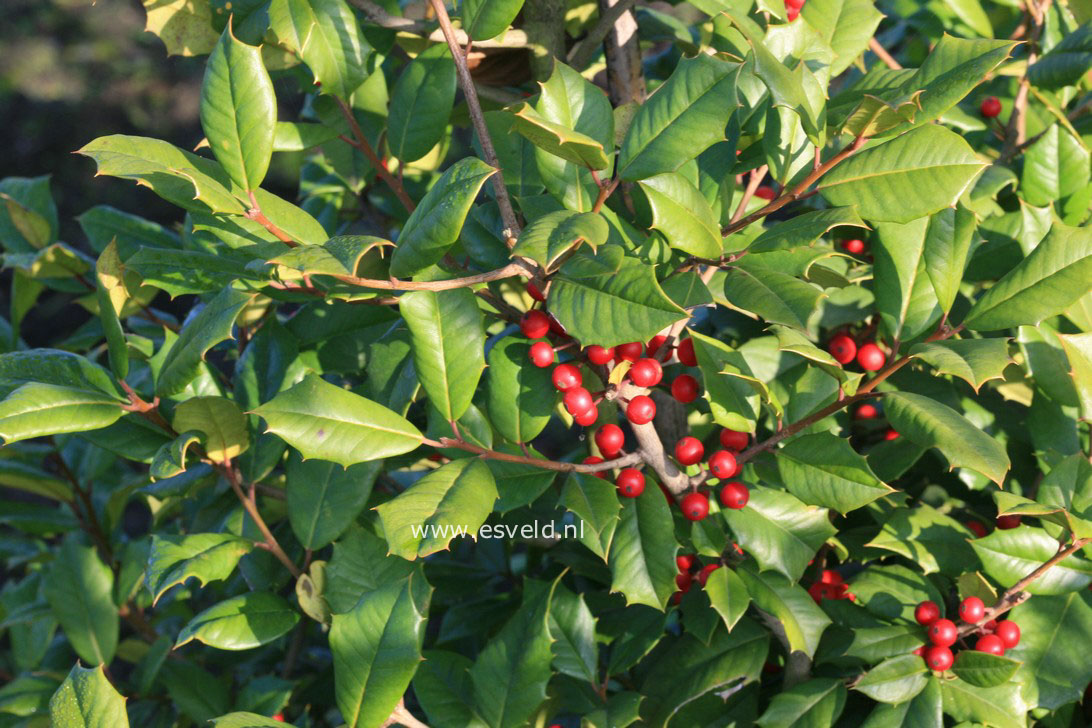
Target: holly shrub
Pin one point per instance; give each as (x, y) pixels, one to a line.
(719, 363)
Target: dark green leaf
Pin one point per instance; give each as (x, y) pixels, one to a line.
(241, 623)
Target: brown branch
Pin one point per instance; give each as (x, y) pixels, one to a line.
(582, 53)
(251, 506)
(651, 448)
(478, 119)
(394, 284)
(798, 191)
(362, 144)
(623, 462)
(1016, 595)
(255, 213)
(605, 191)
(749, 191)
(881, 53)
(1016, 129)
(402, 716)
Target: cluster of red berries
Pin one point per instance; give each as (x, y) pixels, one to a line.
(991, 107)
(831, 585)
(994, 637)
(844, 349)
(792, 8)
(686, 576)
(869, 411)
(722, 466)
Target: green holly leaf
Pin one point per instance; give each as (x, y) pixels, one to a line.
(241, 623)
(642, 552)
(1000, 706)
(79, 589)
(327, 36)
(817, 702)
(975, 361)
(1010, 555)
(36, 409)
(824, 470)
(803, 621)
(779, 531)
(932, 540)
(485, 19)
(683, 215)
(896, 679)
(984, 670)
(1056, 664)
(173, 559)
(324, 499)
(421, 103)
(86, 699)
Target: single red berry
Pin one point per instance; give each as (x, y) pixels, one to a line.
(542, 354)
(722, 464)
(610, 439)
(991, 107)
(1009, 633)
(594, 460)
(684, 388)
(854, 246)
(631, 482)
(734, 440)
(676, 598)
(843, 348)
(534, 292)
(866, 412)
(684, 561)
(971, 610)
(641, 410)
(578, 400)
(588, 417)
(683, 580)
(830, 576)
(695, 506)
(1007, 522)
(534, 324)
(629, 352)
(703, 575)
(977, 529)
(734, 495)
(765, 192)
(990, 643)
(646, 372)
(794, 4)
(654, 344)
(891, 434)
(926, 613)
(685, 352)
(819, 591)
(792, 13)
(939, 658)
(871, 357)
(920, 651)
(279, 717)
(990, 626)
(566, 376)
(598, 355)
(943, 632)
(689, 450)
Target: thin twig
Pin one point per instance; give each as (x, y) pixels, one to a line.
(393, 284)
(271, 544)
(508, 215)
(798, 191)
(883, 55)
(401, 716)
(380, 168)
(749, 191)
(623, 462)
(255, 213)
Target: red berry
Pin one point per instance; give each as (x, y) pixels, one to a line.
(631, 482)
(920, 651)
(578, 400)
(684, 561)
(891, 434)
(977, 529)
(990, 643)
(535, 293)
(629, 352)
(734, 440)
(703, 575)
(598, 355)
(588, 418)
(689, 450)
(654, 345)
(855, 246)
(843, 348)
(765, 192)
(1007, 522)
(939, 658)
(990, 626)
(685, 352)
(943, 632)
(1009, 633)
(542, 354)
(926, 613)
(866, 412)
(817, 591)
(610, 439)
(566, 376)
(971, 610)
(534, 324)
(593, 460)
(792, 13)
(646, 372)
(722, 464)
(683, 580)
(794, 4)
(279, 717)
(830, 576)
(684, 388)
(641, 410)
(991, 107)
(695, 506)
(871, 357)
(734, 495)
